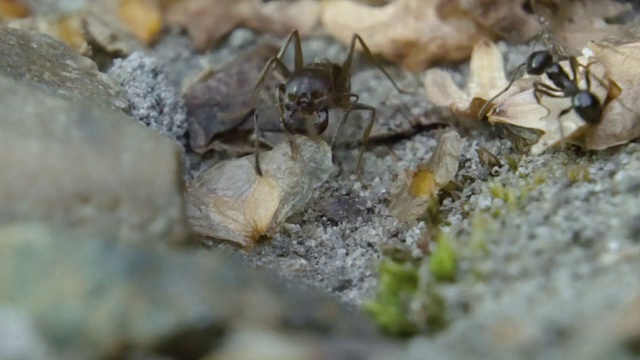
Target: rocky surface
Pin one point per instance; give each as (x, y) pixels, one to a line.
(111, 300)
(78, 164)
(48, 64)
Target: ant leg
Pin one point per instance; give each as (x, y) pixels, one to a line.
(257, 148)
(367, 131)
(344, 117)
(277, 61)
(543, 89)
(346, 66)
(292, 144)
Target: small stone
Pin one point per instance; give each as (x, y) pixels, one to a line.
(49, 64)
(86, 166)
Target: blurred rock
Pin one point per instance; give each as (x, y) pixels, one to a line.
(79, 164)
(55, 68)
(90, 298)
(19, 338)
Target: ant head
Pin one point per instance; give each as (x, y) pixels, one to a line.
(305, 93)
(538, 62)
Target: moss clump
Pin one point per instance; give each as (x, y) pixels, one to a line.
(397, 285)
(406, 303)
(443, 262)
(512, 197)
(578, 173)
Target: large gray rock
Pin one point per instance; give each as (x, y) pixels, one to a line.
(84, 166)
(54, 67)
(89, 298)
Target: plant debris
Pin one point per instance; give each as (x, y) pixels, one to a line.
(68, 28)
(486, 79)
(232, 202)
(13, 9)
(96, 29)
(207, 21)
(506, 18)
(412, 192)
(220, 104)
(570, 25)
(143, 18)
(410, 32)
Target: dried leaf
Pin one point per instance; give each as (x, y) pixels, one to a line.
(106, 30)
(486, 78)
(232, 202)
(13, 9)
(221, 103)
(69, 28)
(413, 190)
(621, 118)
(406, 31)
(506, 18)
(143, 18)
(209, 20)
(573, 24)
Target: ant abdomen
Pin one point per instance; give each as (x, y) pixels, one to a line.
(587, 106)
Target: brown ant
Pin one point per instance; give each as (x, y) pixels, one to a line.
(586, 105)
(311, 90)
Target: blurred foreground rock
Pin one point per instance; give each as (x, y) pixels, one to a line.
(53, 67)
(73, 157)
(79, 296)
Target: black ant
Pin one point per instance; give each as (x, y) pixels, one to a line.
(583, 101)
(311, 90)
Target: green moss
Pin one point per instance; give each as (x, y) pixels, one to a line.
(397, 285)
(406, 304)
(513, 198)
(513, 162)
(443, 262)
(578, 173)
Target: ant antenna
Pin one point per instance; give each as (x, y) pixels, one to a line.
(481, 113)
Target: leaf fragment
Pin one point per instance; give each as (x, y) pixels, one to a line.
(413, 191)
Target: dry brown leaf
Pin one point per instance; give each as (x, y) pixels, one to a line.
(232, 202)
(506, 18)
(412, 192)
(574, 23)
(143, 18)
(68, 28)
(13, 9)
(621, 118)
(486, 79)
(106, 30)
(406, 31)
(209, 20)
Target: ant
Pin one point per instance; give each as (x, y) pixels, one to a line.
(311, 90)
(583, 101)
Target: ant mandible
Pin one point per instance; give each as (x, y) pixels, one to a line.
(311, 90)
